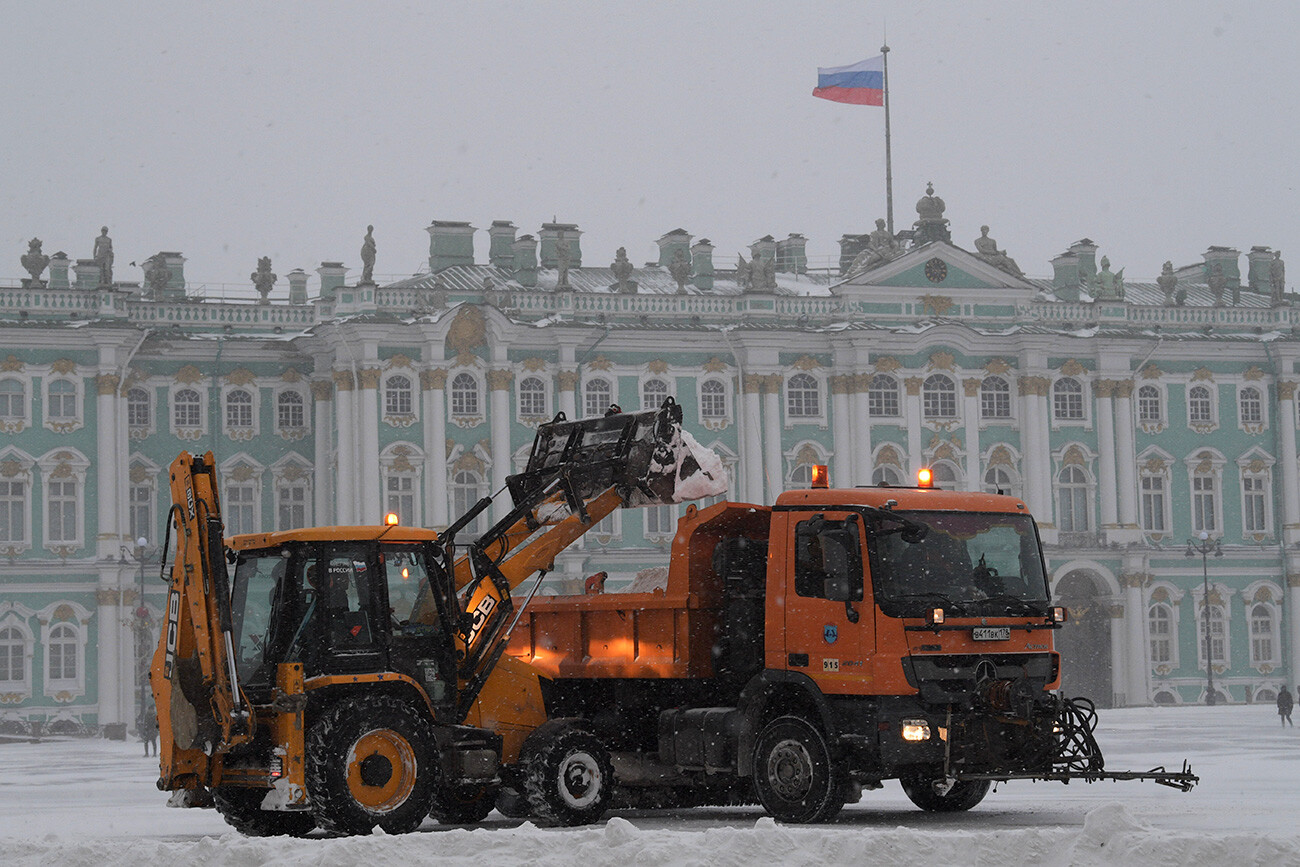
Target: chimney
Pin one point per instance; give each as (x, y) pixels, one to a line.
(175, 262)
(677, 239)
(850, 247)
(764, 247)
(1227, 258)
(702, 264)
(524, 250)
(450, 243)
(298, 287)
(550, 236)
(59, 270)
(791, 254)
(1258, 278)
(1065, 278)
(332, 276)
(501, 251)
(87, 274)
(1086, 251)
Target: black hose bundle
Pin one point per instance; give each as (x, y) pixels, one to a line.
(1077, 749)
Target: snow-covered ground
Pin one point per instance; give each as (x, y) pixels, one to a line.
(91, 802)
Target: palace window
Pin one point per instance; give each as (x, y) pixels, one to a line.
(995, 398)
(598, 397)
(886, 475)
(187, 409)
(998, 480)
(291, 505)
(938, 397)
(61, 510)
(1263, 635)
(13, 399)
(140, 511)
(800, 477)
(653, 393)
(1254, 503)
(1200, 406)
(1205, 504)
(1251, 405)
(1067, 399)
(62, 401)
(713, 399)
(61, 654)
(239, 410)
(240, 508)
(1154, 503)
(399, 395)
(803, 396)
(660, 520)
(532, 397)
(1160, 625)
(1150, 406)
(466, 490)
(139, 412)
(1072, 496)
(13, 510)
(13, 649)
(882, 396)
(399, 496)
(1218, 636)
(289, 411)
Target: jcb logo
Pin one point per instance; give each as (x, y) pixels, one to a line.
(173, 630)
(482, 611)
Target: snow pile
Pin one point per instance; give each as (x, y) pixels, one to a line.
(699, 471)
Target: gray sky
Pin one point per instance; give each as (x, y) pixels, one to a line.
(230, 133)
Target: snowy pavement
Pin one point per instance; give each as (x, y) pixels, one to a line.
(91, 802)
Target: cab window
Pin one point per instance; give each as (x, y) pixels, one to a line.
(828, 559)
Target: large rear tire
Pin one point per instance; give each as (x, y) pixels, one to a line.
(794, 772)
(371, 763)
(568, 776)
(242, 810)
(919, 788)
(462, 805)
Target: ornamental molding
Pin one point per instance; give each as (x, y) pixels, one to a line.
(806, 362)
(500, 379)
(533, 364)
(370, 377)
(343, 380)
(1103, 388)
(887, 364)
(400, 360)
(291, 374)
(1001, 457)
(658, 366)
(841, 383)
(64, 367)
(240, 376)
(1285, 390)
(322, 389)
(1074, 456)
(913, 385)
(1073, 367)
(568, 380)
(600, 362)
(772, 383)
(1151, 372)
(936, 305)
(188, 375)
(1136, 579)
(107, 383)
(469, 461)
(468, 331)
(972, 385)
(242, 472)
(941, 361)
(138, 473)
(807, 455)
(998, 366)
(11, 364)
(1124, 388)
(714, 365)
(888, 455)
(753, 383)
(433, 379)
(1202, 374)
(1253, 374)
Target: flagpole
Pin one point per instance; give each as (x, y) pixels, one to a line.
(889, 168)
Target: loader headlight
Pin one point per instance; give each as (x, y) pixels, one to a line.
(915, 730)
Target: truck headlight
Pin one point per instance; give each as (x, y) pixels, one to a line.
(915, 730)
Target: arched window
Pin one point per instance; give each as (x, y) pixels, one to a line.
(140, 509)
(13, 648)
(1218, 636)
(63, 400)
(399, 496)
(187, 409)
(1160, 625)
(399, 395)
(1200, 407)
(1154, 502)
(939, 397)
(1150, 407)
(713, 399)
(803, 396)
(1252, 406)
(653, 393)
(995, 398)
(886, 475)
(801, 477)
(289, 411)
(598, 397)
(239, 409)
(12, 399)
(139, 414)
(882, 396)
(61, 654)
(998, 480)
(532, 397)
(1072, 495)
(466, 490)
(1205, 503)
(1263, 637)
(1067, 399)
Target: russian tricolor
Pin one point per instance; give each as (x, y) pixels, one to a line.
(860, 84)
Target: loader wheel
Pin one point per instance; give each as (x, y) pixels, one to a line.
(242, 810)
(919, 788)
(794, 774)
(369, 763)
(568, 777)
(461, 805)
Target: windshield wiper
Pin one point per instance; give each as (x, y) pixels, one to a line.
(947, 602)
(1010, 600)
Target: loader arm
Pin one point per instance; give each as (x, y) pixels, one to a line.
(201, 710)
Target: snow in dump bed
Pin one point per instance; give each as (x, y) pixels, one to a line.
(92, 802)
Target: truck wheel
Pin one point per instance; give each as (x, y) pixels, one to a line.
(371, 763)
(242, 810)
(919, 788)
(460, 805)
(794, 774)
(568, 777)
(512, 804)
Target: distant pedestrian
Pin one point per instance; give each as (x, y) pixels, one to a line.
(1284, 704)
(148, 728)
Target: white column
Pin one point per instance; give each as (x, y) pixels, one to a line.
(346, 424)
(971, 411)
(371, 481)
(1292, 616)
(1043, 420)
(1118, 670)
(1034, 448)
(433, 388)
(1125, 454)
(107, 678)
(1135, 621)
(568, 399)
(110, 506)
(912, 415)
(772, 436)
(751, 452)
(1290, 470)
(862, 429)
(1107, 486)
(499, 382)
(842, 431)
(322, 394)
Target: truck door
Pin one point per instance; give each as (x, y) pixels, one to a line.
(829, 622)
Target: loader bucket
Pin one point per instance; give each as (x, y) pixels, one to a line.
(646, 455)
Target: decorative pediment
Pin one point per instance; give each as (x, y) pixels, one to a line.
(1151, 372)
(1253, 373)
(291, 374)
(937, 265)
(1001, 457)
(400, 360)
(188, 375)
(534, 364)
(64, 366)
(1202, 373)
(1074, 456)
(658, 366)
(806, 455)
(240, 376)
(1072, 367)
(887, 364)
(941, 361)
(889, 455)
(998, 366)
(715, 365)
(600, 362)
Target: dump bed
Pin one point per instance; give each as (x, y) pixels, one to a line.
(667, 633)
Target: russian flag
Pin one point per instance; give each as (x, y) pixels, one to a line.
(860, 84)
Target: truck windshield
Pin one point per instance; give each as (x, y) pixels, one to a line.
(257, 580)
(974, 564)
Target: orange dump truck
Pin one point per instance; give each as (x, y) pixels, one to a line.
(802, 652)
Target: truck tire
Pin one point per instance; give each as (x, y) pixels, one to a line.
(794, 773)
(919, 788)
(512, 804)
(242, 810)
(371, 763)
(461, 805)
(568, 777)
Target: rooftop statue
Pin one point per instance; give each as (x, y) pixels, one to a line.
(744, 273)
(622, 269)
(562, 263)
(103, 256)
(1277, 278)
(1108, 285)
(1168, 282)
(680, 269)
(881, 247)
(35, 261)
(763, 273)
(1217, 283)
(987, 249)
(368, 256)
(156, 276)
(932, 226)
(263, 279)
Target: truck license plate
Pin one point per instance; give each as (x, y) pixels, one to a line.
(991, 633)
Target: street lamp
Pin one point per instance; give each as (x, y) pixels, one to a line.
(1203, 547)
(141, 554)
